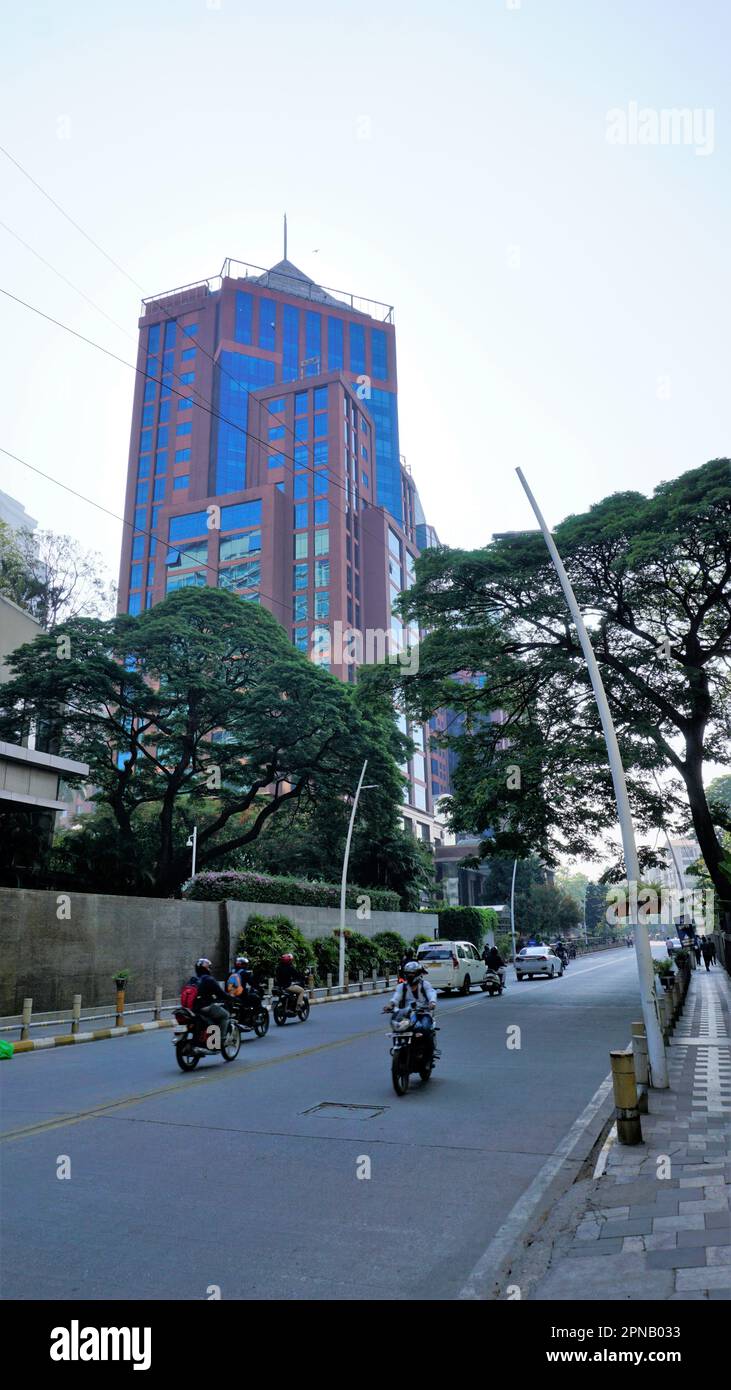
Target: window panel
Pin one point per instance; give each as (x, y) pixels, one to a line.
(234, 547)
(322, 574)
(321, 512)
(334, 344)
(300, 485)
(187, 355)
(322, 605)
(300, 516)
(183, 528)
(244, 317)
(241, 515)
(267, 324)
(181, 482)
(299, 576)
(357, 348)
(153, 339)
(184, 427)
(322, 542)
(170, 328)
(300, 546)
(290, 343)
(379, 354)
(299, 608)
(135, 576)
(182, 455)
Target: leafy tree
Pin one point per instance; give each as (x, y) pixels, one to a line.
(652, 576)
(53, 576)
(202, 700)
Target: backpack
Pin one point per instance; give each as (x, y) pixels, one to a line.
(188, 996)
(234, 985)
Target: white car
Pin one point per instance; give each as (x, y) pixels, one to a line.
(672, 945)
(537, 960)
(452, 965)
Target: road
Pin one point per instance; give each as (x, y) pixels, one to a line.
(233, 1179)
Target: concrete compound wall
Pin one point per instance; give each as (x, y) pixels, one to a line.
(51, 957)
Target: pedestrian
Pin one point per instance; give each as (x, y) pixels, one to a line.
(713, 950)
(707, 949)
(697, 949)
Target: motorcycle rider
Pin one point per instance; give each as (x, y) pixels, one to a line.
(561, 952)
(288, 979)
(415, 992)
(211, 1001)
(494, 961)
(241, 985)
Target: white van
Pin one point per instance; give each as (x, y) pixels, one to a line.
(452, 965)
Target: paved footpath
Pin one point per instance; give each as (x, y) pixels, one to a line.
(639, 1234)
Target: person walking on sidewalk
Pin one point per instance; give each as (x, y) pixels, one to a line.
(697, 949)
(707, 949)
(713, 950)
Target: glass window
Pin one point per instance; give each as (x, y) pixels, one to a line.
(321, 512)
(167, 361)
(245, 576)
(187, 556)
(138, 547)
(151, 572)
(299, 608)
(184, 427)
(313, 347)
(147, 415)
(419, 797)
(394, 544)
(135, 603)
(189, 329)
(276, 432)
(322, 574)
(143, 467)
(334, 344)
(300, 638)
(187, 355)
(300, 516)
(140, 518)
(363, 451)
(135, 577)
(150, 390)
(300, 456)
(300, 428)
(320, 425)
(366, 479)
(158, 491)
(183, 404)
(182, 455)
(300, 485)
(321, 481)
(300, 546)
(279, 487)
(357, 348)
(300, 402)
(183, 528)
(162, 437)
(195, 580)
(235, 547)
(145, 441)
(319, 398)
(290, 343)
(153, 338)
(187, 378)
(319, 451)
(235, 376)
(379, 354)
(276, 407)
(143, 492)
(244, 316)
(154, 517)
(276, 460)
(181, 482)
(241, 515)
(170, 327)
(267, 324)
(322, 542)
(299, 577)
(164, 415)
(322, 605)
(161, 462)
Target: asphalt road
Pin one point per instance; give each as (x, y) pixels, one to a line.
(233, 1177)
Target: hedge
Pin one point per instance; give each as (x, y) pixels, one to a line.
(466, 924)
(265, 939)
(251, 887)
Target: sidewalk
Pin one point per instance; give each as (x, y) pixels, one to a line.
(639, 1235)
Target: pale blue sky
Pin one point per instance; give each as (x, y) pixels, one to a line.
(561, 302)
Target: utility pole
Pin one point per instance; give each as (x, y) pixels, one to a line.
(344, 880)
(512, 907)
(193, 840)
(650, 1014)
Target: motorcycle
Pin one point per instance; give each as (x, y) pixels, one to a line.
(197, 1037)
(284, 1006)
(493, 983)
(251, 1014)
(413, 1049)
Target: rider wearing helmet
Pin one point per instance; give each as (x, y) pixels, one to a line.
(240, 984)
(288, 979)
(211, 1002)
(416, 993)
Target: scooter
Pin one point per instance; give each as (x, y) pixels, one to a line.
(493, 983)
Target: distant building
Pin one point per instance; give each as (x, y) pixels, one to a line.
(13, 513)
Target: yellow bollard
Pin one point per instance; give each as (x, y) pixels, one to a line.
(629, 1130)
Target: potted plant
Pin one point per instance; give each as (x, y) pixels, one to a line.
(664, 968)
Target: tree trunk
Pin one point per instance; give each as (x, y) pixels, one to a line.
(705, 830)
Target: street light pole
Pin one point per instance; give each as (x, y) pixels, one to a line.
(512, 907)
(655, 1045)
(193, 840)
(344, 880)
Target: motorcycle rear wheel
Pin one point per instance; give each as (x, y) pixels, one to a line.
(399, 1075)
(261, 1023)
(185, 1056)
(303, 1011)
(230, 1044)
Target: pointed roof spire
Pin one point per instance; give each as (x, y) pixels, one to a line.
(285, 236)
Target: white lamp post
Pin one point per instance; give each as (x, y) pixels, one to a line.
(512, 906)
(193, 840)
(655, 1044)
(344, 880)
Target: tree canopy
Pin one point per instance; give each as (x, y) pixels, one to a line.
(653, 579)
(202, 703)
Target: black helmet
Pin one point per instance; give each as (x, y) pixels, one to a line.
(202, 965)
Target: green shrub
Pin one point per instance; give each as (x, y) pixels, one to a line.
(326, 950)
(361, 953)
(461, 924)
(417, 941)
(252, 887)
(265, 939)
(391, 947)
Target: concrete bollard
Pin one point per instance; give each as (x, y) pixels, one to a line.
(120, 1009)
(663, 1008)
(642, 1074)
(25, 1027)
(346, 982)
(375, 980)
(310, 981)
(76, 1014)
(629, 1129)
(270, 986)
(329, 989)
(360, 981)
(158, 1003)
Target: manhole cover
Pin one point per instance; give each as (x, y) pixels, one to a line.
(341, 1108)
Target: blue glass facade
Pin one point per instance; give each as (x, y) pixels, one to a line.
(335, 345)
(379, 354)
(244, 317)
(290, 343)
(236, 374)
(357, 348)
(267, 324)
(383, 410)
(313, 342)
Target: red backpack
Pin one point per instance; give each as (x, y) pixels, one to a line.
(188, 996)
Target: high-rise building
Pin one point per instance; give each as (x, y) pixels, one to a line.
(264, 458)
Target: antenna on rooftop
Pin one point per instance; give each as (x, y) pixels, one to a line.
(285, 236)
